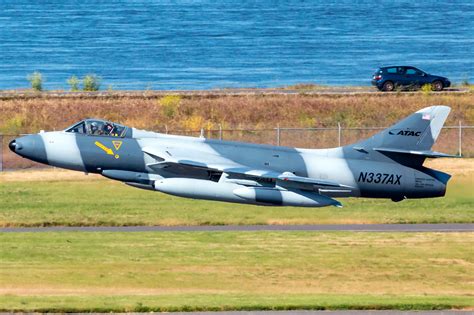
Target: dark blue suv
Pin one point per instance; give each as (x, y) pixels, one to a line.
(388, 78)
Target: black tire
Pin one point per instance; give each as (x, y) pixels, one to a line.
(437, 85)
(388, 86)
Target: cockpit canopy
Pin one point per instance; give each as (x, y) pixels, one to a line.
(97, 127)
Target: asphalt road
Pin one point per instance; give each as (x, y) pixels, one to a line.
(453, 227)
(317, 90)
(362, 312)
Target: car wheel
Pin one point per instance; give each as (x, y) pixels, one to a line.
(437, 85)
(388, 86)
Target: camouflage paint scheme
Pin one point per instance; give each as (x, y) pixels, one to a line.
(387, 165)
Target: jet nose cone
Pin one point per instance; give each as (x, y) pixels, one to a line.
(15, 146)
(30, 147)
(12, 145)
(23, 146)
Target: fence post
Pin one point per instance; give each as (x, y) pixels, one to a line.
(220, 132)
(460, 139)
(339, 131)
(278, 134)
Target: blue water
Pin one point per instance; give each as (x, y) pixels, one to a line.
(217, 44)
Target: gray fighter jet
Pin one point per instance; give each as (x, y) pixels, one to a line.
(387, 165)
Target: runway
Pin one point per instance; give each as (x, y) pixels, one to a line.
(304, 312)
(450, 227)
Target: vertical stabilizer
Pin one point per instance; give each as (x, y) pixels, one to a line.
(417, 132)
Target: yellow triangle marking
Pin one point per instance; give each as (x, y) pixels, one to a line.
(117, 144)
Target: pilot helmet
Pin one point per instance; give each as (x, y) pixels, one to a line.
(94, 126)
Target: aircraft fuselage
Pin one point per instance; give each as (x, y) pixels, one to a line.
(361, 174)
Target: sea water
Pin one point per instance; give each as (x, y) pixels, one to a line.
(224, 44)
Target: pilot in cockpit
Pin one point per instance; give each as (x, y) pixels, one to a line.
(95, 130)
(109, 129)
(98, 128)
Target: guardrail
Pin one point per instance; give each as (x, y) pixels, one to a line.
(458, 140)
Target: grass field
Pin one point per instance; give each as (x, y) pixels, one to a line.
(229, 270)
(43, 198)
(183, 271)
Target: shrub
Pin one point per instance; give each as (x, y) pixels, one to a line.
(427, 88)
(195, 122)
(73, 83)
(36, 80)
(14, 125)
(170, 105)
(91, 82)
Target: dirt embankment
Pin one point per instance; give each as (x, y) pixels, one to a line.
(192, 112)
(251, 117)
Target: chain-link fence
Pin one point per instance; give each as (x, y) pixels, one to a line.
(457, 140)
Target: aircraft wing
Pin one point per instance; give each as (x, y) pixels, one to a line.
(168, 158)
(176, 156)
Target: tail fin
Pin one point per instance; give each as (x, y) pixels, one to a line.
(415, 134)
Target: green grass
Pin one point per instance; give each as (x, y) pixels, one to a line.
(105, 202)
(90, 271)
(230, 302)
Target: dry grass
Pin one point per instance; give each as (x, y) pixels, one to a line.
(178, 113)
(43, 175)
(256, 111)
(455, 167)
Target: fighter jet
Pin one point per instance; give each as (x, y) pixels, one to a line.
(387, 165)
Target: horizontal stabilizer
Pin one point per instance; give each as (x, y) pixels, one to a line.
(423, 153)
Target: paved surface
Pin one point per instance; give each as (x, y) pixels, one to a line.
(455, 227)
(388, 312)
(332, 313)
(316, 90)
